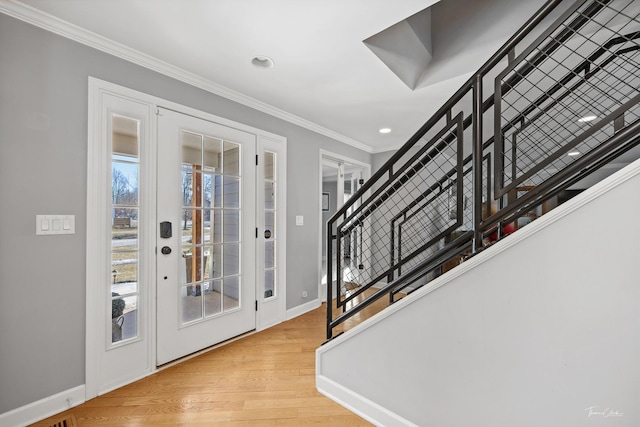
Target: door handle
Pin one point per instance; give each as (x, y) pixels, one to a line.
(165, 230)
(165, 250)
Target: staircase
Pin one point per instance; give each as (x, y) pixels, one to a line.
(505, 305)
(558, 102)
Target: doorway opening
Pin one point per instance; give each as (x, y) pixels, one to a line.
(341, 178)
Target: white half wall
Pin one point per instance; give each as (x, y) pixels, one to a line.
(541, 329)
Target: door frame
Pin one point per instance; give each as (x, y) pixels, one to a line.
(339, 158)
(98, 159)
(273, 310)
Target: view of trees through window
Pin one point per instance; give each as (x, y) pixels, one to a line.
(125, 209)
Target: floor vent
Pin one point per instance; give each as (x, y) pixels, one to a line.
(68, 421)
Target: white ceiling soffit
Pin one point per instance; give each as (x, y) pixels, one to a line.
(405, 47)
(325, 78)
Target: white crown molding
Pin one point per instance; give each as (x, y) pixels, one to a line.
(33, 16)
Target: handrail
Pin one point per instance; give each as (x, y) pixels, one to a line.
(393, 178)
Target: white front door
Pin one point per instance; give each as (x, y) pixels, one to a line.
(206, 242)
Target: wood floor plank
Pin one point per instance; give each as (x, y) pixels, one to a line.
(265, 414)
(334, 420)
(266, 379)
(302, 402)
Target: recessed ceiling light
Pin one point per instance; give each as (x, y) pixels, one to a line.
(573, 153)
(587, 119)
(261, 61)
(385, 130)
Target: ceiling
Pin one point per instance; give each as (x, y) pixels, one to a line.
(325, 77)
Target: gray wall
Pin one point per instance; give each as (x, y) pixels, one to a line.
(43, 137)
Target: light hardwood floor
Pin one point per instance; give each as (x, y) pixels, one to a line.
(265, 379)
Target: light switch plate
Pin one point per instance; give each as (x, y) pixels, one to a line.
(55, 224)
(299, 220)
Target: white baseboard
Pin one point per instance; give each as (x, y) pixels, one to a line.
(360, 405)
(302, 309)
(43, 408)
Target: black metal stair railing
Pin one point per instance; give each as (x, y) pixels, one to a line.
(562, 100)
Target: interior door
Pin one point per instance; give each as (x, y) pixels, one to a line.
(206, 234)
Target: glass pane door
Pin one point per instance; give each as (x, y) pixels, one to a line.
(206, 263)
(270, 232)
(210, 226)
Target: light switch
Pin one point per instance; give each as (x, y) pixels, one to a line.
(55, 224)
(299, 220)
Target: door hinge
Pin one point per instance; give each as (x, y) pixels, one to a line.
(256, 232)
(256, 160)
(256, 305)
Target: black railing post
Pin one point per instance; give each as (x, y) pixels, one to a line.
(339, 276)
(399, 263)
(329, 279)
(477, 163)
(392, 252)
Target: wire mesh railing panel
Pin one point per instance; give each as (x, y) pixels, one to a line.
(557, 102)
(558, 110)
